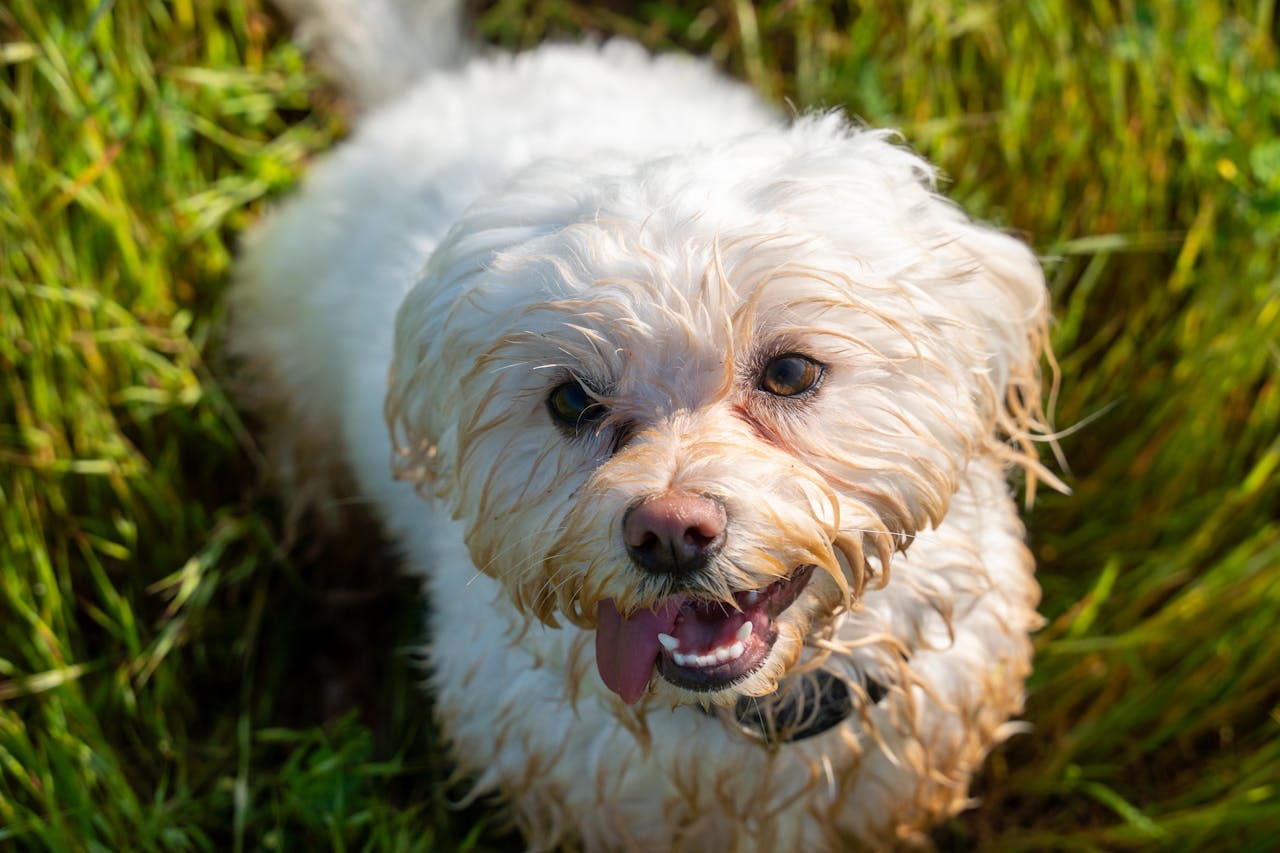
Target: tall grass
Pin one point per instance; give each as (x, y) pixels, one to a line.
(172, 675)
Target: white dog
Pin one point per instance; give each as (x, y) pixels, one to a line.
(697, 426)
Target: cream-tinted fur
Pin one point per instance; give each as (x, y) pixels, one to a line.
(654, 230)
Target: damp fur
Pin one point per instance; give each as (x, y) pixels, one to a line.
(654, 231)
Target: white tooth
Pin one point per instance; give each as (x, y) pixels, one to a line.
(706, 660)
(681, 660)
(743, 632)
(669, 642)
(719, 655)
(735, 651)
(752, 597)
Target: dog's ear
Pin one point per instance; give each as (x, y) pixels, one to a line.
(990, 283)
(415, 424)
(456, 312)
(1008, 302)
(426, 374)
(444, 327)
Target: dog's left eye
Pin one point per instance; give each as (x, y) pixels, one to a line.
(572, 405)
(790, 375)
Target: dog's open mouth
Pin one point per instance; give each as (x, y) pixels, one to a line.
(698, 645)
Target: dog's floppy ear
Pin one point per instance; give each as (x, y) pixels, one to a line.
(426, 372)
(1009, 304)
(415, 424)
(445, 325)
(456, 311)
(991, 283)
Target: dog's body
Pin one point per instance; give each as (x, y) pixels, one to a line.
(604, 272)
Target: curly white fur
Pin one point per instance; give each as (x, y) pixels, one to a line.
(653, 230)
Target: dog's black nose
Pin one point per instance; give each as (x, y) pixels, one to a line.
(674, 533)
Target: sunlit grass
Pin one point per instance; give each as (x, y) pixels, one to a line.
(164, 660)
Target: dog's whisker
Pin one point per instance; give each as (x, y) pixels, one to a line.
(496, 559)
(1085, 421)
(880, 531)
(514, 364)
(533, 559)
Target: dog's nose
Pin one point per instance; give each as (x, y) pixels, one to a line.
(674, 533)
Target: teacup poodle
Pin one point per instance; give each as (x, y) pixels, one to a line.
(695, 419)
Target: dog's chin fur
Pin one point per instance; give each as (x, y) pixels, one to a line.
(651, 230)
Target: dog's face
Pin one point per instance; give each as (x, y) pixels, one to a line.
(696, 404)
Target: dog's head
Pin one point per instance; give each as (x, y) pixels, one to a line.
(697, 403)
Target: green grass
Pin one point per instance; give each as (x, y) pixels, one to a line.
(167, 667)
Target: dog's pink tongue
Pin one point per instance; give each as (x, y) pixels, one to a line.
(626, 648)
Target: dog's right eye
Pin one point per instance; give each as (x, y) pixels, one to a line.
(572, 406)
(791, 375)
